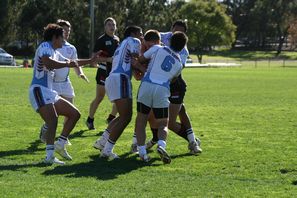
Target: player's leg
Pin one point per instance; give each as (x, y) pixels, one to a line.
(42, 100)
(140, 124)
(112, 114)
(124, 107)
(161, 115)
(50, 117)
(65, 108)
(194, 143)
(71, 100)
(119, 91)
(100, 93)
(154, 129)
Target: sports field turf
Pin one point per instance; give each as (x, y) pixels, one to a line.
(246, 119)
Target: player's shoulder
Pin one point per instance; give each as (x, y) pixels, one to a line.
(45, 44)
(166, 34)
(156, 47)
(102, 38)
(69, 45)
(134, 40)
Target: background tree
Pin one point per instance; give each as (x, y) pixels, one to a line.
(209, 25)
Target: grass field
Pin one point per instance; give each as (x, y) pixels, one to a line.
(246, 119)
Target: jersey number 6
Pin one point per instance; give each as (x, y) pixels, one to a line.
(167, 63)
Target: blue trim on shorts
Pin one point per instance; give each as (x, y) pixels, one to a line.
(38, 97)
(124, 86)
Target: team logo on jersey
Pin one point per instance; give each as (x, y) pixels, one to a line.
(127, 57)
(108, 43)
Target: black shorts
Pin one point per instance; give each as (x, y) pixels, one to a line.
(102, 74)
(177, 91)
(159, 113)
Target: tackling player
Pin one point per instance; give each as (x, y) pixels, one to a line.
(176, 107)
(119, 90)
(153, 93)
(45, 100)
(61, 82)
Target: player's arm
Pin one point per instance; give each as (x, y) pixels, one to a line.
(79, 71)
(137, 63)
(55, 64)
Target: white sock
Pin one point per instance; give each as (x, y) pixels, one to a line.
(190, 135)
(62, 140)
(106, 134)
(162, 143)
(134, 140)
(108, 146)
(50, 149)
(142, 150)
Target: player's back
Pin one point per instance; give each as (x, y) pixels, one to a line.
(42, 75)
(165, 39)
(164, 65)
(122, 57)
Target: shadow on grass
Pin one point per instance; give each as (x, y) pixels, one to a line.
(33, 146)
(30, 150)
(101, 168)
(20, 167)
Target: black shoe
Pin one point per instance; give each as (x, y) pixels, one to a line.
(90, 125)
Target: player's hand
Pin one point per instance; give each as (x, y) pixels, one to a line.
(134, 62)
(84, 77)
(73, 63)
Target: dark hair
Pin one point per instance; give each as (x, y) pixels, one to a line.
(52, 30)
(62, 22)
(152, 35)
(131, 29)
(178, 41)
(109, 19)
(181, 23)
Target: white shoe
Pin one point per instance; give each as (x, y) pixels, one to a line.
(109, 155)
(53, 160)
(163, 155)
(150, 144)
(134, 148)
(194, 147)
(145, 158)
(62, 151)
(100, 143)
(42, 134)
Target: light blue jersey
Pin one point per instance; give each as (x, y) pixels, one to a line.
(184, 53)
(122, 57)
(164, 65)
(41, 75)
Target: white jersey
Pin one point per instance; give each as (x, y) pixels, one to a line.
(184, 53)
(69, 52)
(122, 57)
(164, 65)
(41, 75)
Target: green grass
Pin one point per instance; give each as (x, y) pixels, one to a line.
(245, 117)
(244, 55)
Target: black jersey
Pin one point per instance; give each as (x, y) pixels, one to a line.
(108, 44)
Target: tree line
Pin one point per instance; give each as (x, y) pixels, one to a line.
(255, 23)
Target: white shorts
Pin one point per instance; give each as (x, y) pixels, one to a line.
(40, 96)
(153, 95)
(64, 89)
(118, 86)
